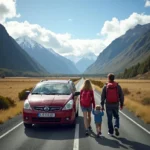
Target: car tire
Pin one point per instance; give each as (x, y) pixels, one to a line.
(27, 125)
(73, 124)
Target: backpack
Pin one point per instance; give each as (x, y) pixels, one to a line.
(86, 98)
(112, 95)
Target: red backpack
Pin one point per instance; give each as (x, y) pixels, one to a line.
(86, 98)
(112, 95)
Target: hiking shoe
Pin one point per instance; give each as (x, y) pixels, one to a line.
(90, 128)
(97, 135)
(100, 133)
(86, 132)
(116, 132)
(110, 134)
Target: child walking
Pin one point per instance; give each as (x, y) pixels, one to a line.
(98, 113)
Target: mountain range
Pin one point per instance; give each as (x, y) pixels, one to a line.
(48, 58)
(27, 57)
(85, 61)
(125, 51)
(14, 59)
(82, 62)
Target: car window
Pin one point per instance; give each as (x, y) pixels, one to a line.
(52, 89)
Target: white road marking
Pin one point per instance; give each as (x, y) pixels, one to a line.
(132, 120)
(10, 130)
(135, 122)
(76, 138)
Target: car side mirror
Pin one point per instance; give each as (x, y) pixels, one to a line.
(76, 93)
(27, 93)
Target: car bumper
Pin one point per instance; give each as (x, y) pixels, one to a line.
(61, 117)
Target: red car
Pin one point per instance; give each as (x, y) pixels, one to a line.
(51, 102)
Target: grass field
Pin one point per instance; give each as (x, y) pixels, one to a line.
(10, 87)
(138, 90)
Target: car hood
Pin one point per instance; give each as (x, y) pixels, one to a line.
(53, 100)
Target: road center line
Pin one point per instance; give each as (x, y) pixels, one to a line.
(131, 119)
(76, 138)
(10, 130)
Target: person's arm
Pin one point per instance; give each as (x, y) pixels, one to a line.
(102, 113)
(121, 96)
(93, 112)
(103, 96)
(93, 99)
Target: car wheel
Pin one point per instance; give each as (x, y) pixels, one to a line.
(73, 124)
(27, 125)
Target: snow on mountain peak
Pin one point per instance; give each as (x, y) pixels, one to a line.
(28, 42)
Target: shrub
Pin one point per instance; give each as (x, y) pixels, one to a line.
(1, 122)
(98, 83)
(138, 92)
(126, 91)
(146, 101)
(22, 95)
(6, 102)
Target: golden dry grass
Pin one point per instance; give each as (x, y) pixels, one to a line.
(139, 89)
(10, 87)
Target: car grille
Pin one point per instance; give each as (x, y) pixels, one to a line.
(46, 119)
(51, 108)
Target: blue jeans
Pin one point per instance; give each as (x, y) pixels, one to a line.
(112, 112)
(86, 109)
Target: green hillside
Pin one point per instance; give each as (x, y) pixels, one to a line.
(140, 68)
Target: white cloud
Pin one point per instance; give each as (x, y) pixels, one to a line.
(64, 43)
(147, 3)
(115, 28)
(7, 10)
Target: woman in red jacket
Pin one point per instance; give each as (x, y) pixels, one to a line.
(87, 101)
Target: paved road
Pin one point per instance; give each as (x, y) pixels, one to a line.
(65, 138)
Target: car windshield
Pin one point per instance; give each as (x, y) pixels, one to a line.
(52, 89)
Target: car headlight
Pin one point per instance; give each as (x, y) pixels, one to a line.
(69, 105)
(27, 105)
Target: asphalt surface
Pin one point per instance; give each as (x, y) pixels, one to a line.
(132, 137)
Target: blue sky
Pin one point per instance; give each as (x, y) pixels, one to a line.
(86, 16)
(73, 26)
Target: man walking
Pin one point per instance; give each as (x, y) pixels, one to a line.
(113, 97)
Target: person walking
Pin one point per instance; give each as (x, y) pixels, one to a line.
(98, 113)
(87, 102)
(113, 97)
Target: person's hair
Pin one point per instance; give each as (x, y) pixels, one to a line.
(98, 107)
(87, 85)
(111, 76)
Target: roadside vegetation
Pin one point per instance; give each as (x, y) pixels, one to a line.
(12, 94)
(140, 68)
(137, 96)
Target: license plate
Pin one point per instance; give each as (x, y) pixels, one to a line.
(46, 115)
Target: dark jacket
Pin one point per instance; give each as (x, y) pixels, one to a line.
(112, 105)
